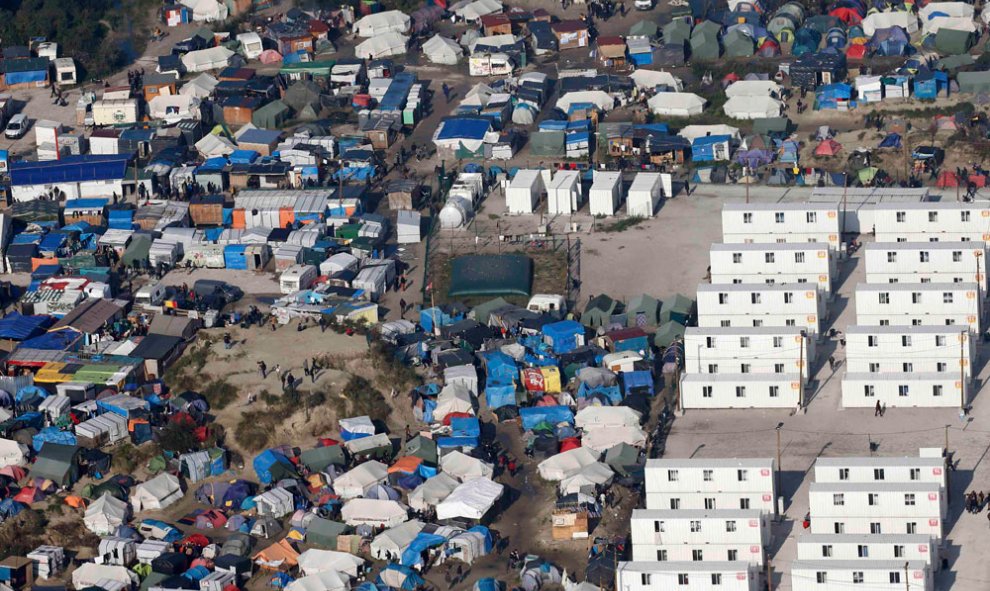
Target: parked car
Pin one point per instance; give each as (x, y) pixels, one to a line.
(17, 126)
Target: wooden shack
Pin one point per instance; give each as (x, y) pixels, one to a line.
(496, 24)
(206, 210)
(569, 525)
(403, 194)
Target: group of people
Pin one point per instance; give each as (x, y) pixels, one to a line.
(976, 501)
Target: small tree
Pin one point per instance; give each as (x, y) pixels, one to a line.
(178, 436)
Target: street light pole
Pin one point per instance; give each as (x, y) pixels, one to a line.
(801, 372)
(962, 372)
(777, 490)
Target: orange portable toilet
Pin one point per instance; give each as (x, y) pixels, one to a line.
(240, 221)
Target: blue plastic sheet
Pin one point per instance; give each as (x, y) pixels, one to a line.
(497, 396)
(534, 415)
(413, 554)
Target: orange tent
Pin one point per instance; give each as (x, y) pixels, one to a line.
(406, 465)
(828, 148)
(75, 502)
(279, 556)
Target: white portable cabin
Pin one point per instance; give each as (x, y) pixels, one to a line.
(755, 304)
(866, 548)
(781, 222)
(773, 263)
(734, 575)
(65, 72)
(149, 550)
(205, 255)
(297, 278)
(927, 466)
(644, 194)
(919, 304)
(164, 251)
(342, 261)
(564, 194)
(116, 551)
(927, 262)
(104, 429)
(924, 349)
(49, 561)
(852, 575)
(931, 220)
(522, 195)
(757, 350)
(856, 205)
(865, 390)
(731, 482)
(699, 535)
(251, 45)
(739, 390)
(606, 193)
(373, 280)
(877, 508)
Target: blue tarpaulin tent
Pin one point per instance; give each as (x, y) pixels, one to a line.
(121, 219)
(610, 395)
(399, 577)
(892, 140)
(497, 396)
(266, 461)
(53, 435)
(413, 554)
(534, 415)
(499, 367)
(17, 327)
(65, 339)
(637, 381)
(927, 85)
(563, 336)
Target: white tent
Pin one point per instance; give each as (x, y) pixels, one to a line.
(957, 23)
(473, 11)
(105, 514)
(90, 574)
(321, 581)
(523, 193)
(566, 464)
(12, 453)
(384, 45)
(600, 440)
(200, 87)
(466, 546)
(174, 108)
(441, 50)
(650, 79)
(676, 104)
(453, 398)
(597, 417)
(753, 88)
(203, 60)
(432, 491)
(149, 550)
(211, 145)
(354, 482)
(753, 107)
(276, 503)
(395, 540)
(314, 561)
(599, 98)
(362, 425)
(207, 10)
(465, 375)
(463, 467)
(985, 13)
(884, 20)
(605, 193)
(390, 21)
(157, 493)
(470, 500)
(693, 132)
(587, 479)
(374, 512)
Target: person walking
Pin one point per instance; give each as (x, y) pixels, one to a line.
(263, 369)
(446, 92)
(227, 343)
(876, 411)
(278, 372)
(402, 307)
(306, 371)
(831, 362)
(512, 466)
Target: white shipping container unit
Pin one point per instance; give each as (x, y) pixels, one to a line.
(699, 535)
(931, 390)
(773, 263)
(408, 227)
(755, 304)
(606, 193)
(918, 304)
(747, 349)
(866, 548)
(645, 193)
(164, 251)
(877, 508)
(853, 575)
(906, 349)
(928, 466)
(740, 390)
(687, 576)
(115, 111)
(856, 205)
(931, 220)
(205, 255)
(926, 262)
(732, 483)
(564, 194)
(522, 195)
(781, 222)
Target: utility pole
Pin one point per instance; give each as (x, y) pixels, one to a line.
(769, 575)
(801, 373)
(746, 179)
(962, 373)
(845, 191)
(777, 479)
(948, 475)
(907, 581)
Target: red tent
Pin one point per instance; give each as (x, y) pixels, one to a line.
(980, 180)
(569, 444)
(856, 52)
(327, 442)
(828, 148)
(947, 178)
(769, 48)
(29, 495)
(14, 472)
(847, 15)
(456, 415)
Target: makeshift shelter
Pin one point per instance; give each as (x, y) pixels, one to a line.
(12, 453)
(953, 41)
(390, 21)
(58, 463)
(322, 581)
(704, 41)
(381, 46)
(753, 107)
(157, 493)
(566, 464)
(471, 500)
(323, 532)
(105, 514)
(353, 483)
(668, 333)
(738, 44)
(828, 148)
(315, 560)
(676, 104)
(373, 512)
(393, 541)
(434, 490)
(90, 574)
(464, 467)
(441, 50)
(589, 479)
(280, 556)
(276, 502)
(679, 308)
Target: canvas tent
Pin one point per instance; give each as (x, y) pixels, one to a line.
(441, 50)
(157, 493)
(753, 88)
(12, 453)
(321, 581)
(471, 500)
(753, 107)
(381, 46)
(432, 491)
(464, 467)
(587, 479)
(395, 540)
(206, 10)
(390, 21)
(203, 60)
(453, 398)
(374, 512)
(90, 574)
(105, 515)
(354, 482)
(566, 464)
(606, 417)
(276, 503)
(650, 79)
(315, 560)
(600, 440)
(676, 104)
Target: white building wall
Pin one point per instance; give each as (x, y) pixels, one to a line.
(928, 262)
(718, 534)
(760, 305)
(928, 466)
(892, 509)
(728, 483)
(872, 575)
(896, 349)
(747, 350)
(738, 390)
(933, 390)
(868, 547)
(605, 194)
(918, 304)
(773, 263)
(780, 222)
(686, 576)
(934, 220)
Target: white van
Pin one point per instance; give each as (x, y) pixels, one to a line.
(17, 126)
(546, 302)
(297, 278)
(150, 296)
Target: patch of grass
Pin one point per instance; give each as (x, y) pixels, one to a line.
(128, 457)
(255, 429)
(23, 533)
(389, 371)
(362, 398)
(623, 225)
(71, 533)
(219, 393)
(186, 372)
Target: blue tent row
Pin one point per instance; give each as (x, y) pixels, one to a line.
(533, 416)
(56, 340)
(52, 435)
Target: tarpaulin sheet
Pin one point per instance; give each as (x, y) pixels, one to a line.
(465, 427)
(533, 416)
(121, 219)
(69, 169)
(611, 393)
(18, 327)
(413, 554)
(464, 127)
(637, 380)
(52, 435)
(499, 396)
(459, 441)
(56, 340)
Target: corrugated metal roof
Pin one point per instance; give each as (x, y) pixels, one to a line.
(70, 169)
